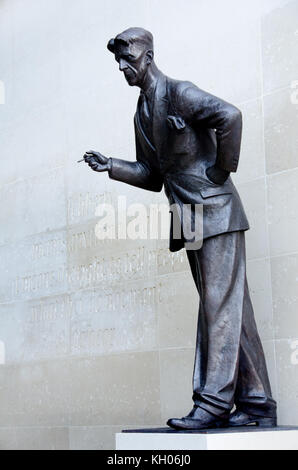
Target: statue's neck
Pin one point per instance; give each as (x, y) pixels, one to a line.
(150, 78)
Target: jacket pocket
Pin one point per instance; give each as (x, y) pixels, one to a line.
(214, 191)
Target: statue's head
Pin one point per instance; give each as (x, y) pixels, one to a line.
(133, 50)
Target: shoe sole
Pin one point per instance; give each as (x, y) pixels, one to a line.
(214, 425)
(261, 422)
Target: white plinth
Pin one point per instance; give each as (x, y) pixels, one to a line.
(246, 438)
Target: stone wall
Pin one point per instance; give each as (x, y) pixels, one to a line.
(98, 335)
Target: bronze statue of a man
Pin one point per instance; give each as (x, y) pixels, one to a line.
(188, 141)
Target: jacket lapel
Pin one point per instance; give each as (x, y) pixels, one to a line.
(160, 113)
(141, 133)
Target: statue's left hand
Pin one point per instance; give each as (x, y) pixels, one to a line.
(97, 161)
(217, 175)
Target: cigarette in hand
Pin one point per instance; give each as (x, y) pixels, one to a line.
(79, 161)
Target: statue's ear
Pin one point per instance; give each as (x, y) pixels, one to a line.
(150, 55)
(111, 45)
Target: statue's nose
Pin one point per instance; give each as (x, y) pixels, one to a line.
(122, 65)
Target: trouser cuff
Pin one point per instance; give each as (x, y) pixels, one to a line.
(219, 412)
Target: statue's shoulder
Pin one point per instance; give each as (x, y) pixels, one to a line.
(183, 93)
(178, 87)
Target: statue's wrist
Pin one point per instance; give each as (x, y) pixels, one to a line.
(109, 164)
(217, 175)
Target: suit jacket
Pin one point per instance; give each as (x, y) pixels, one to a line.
(192, 130)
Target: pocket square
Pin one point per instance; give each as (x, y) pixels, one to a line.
(176, 123)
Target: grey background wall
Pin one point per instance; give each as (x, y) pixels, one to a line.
(99, 335)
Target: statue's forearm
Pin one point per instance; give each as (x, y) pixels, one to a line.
(229, 140)
(134, 173)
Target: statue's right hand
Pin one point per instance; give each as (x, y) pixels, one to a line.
(96, 161)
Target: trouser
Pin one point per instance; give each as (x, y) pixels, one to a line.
(230, 366)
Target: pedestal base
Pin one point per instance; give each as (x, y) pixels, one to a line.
(243, 438)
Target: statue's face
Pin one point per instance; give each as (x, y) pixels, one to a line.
(133, 62)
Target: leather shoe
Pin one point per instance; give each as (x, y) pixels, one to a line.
(239, 418)
(198, 418)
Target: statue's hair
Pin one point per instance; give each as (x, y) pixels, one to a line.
(130, 36)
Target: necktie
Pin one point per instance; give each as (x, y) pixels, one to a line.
(146, 118)
(145, 105)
